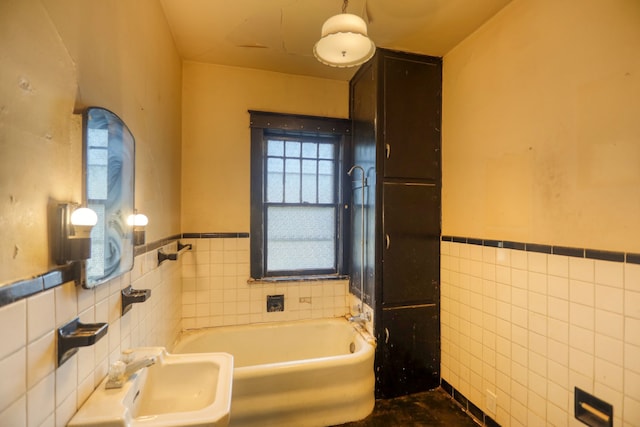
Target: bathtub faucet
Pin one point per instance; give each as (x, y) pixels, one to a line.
(122, 370)
(362, 317)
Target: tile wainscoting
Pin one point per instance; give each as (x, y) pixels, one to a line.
(528, 323)
(217, 290)
(34, 391)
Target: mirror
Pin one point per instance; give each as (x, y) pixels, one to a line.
(109, 159)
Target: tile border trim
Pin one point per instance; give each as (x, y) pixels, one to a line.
(614, 256)
(467, 406)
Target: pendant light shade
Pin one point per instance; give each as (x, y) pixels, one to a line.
(344, 42)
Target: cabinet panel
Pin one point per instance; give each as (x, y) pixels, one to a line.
(411, 247)
(412, 119)
(409, 351)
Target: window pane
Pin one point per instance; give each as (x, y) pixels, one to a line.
(326, 188)
(275, 148)
(301, 238)
(292, 181)
(293, 149)
(326, 151)
(309, 150)
(275, 177)
(309, 181)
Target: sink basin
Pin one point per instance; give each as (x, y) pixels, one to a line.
(178, 390)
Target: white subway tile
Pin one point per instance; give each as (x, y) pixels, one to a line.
(632, 304)
(582, 339)
(537, 262)
(558, 373)
(519, 278)
(538, 303)
(519, 297)
(581, 269)
(66, 409)
(519, 260)
(558, 330)
(15, 414)
(13, 327)
(582, 315)
(632, 357)
(581, 362)
(610, 299)
(632, 277)
(40, 402)
(537, 282)
(609, 374)
(558, 352)
(40, 314)
(556, 416)
(609, 349)
(631, 411)
(610, 324)
(558, 287)
(582, 292)
(632, 331)
(632, 384)
(13, 373)
(66, 302)
(41, 358)
(558, 265)
(609, 273)
(558, 308)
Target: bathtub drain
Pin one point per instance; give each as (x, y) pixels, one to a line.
(352, 347)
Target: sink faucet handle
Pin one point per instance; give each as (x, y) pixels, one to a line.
(116, 374)
(127, 356)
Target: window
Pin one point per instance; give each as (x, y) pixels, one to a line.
(297, 220)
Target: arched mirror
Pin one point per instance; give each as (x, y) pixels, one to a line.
(109, 160)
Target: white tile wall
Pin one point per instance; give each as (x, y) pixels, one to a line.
(33, 390)
(216, 291)
(529, 327)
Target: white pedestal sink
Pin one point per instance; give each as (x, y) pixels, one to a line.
(178, 390)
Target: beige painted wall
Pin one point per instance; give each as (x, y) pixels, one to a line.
(541, 129)
(61, 55)
(216, 137)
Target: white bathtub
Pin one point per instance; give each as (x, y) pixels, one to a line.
(304, 373)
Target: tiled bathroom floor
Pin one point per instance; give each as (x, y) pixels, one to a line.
(433, 408)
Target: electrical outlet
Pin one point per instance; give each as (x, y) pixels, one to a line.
(491, 401)
(305, 300)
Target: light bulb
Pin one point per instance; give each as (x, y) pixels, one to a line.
(138, 220)
(84, 217)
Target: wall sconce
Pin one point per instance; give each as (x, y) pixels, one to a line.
(74, 232)
(138, 221)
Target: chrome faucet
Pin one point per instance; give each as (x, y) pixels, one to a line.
(362, 317)
(122, 370)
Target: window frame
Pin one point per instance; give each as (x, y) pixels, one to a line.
(289, 126)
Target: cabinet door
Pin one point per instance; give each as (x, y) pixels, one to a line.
(411, 243)
(408, 358)
(412, 119)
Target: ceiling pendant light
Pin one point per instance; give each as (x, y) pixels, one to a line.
(344, 41)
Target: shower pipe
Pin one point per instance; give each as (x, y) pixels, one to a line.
(361, 316)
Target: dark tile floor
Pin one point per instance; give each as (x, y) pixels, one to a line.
(433, 408)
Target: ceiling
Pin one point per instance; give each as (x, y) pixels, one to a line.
(278, 35)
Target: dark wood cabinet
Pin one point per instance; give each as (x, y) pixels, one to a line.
(395, 109)
(409, 351)
(411, 92)
(411, 237)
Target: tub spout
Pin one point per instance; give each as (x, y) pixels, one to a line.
(362, 317)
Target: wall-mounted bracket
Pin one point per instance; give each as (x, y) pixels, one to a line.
(173, 256)
(75, 334)
(132, 296)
